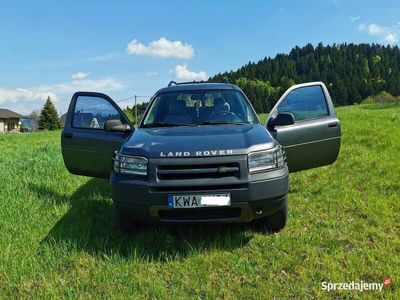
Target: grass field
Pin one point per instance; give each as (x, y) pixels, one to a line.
(58, 235)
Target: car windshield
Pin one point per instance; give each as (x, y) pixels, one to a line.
(195, 108)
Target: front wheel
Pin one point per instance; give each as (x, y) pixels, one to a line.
(275, 222)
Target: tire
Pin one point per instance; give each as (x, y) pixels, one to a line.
(125, 224)
(275, 222)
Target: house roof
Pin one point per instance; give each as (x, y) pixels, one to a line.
(6, 114)
(63, 119)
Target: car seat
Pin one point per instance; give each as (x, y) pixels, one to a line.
(178, 113)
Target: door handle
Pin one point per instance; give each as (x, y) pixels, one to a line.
(333, 124)
(68, 135)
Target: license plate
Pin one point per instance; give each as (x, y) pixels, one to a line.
(193, 201)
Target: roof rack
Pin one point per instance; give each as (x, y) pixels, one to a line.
(172, 82)
(187, 82)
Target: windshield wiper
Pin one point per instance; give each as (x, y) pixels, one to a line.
(162, 124)
(221, 123)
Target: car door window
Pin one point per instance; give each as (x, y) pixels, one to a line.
(305, 103)
(93, 112)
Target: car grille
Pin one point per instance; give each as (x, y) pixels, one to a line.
(199, 188)
(198, 171)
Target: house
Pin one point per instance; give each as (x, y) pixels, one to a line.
(9, 121)
(63, 119)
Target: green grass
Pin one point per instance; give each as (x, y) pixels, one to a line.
(58, 236)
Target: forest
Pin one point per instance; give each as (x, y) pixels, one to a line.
(352, 72)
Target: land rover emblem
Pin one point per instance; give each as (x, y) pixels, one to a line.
(196, 153)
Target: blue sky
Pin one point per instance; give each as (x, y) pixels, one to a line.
(136, 47)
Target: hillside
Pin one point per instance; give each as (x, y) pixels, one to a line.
(59, 237)
(351, 72)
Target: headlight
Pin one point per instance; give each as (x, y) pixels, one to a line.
(132, 165)
(266, 160)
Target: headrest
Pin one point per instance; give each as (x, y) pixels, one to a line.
(220, 105)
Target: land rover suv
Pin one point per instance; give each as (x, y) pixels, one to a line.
(200, 153)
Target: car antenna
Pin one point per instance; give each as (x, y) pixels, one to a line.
(172, 82)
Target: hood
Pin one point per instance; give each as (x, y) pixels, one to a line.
(200, 141)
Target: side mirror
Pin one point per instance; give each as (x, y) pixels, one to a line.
(281, 119)
(116, 126)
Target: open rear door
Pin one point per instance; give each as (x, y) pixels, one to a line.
(312, 139)
(87, 145)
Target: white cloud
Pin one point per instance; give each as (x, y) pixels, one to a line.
(354, 19)
(161, 48)
(181, 72)
(24, 100)
(385, 34)
(392, 38)
(375, 29)
(25, 94)
(79, 76)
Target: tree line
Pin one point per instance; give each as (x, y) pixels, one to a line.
(352, 72)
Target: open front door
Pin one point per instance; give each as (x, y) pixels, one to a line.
(94, 128)
(304, 122)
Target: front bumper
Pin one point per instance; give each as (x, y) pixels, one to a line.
(250, 199)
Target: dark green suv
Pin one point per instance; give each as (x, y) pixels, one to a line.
(200, 153)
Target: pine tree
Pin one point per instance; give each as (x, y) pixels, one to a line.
(49, 119)
(352, 72)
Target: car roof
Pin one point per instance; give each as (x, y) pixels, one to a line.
(198, 86)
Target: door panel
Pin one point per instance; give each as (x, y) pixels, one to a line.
(314, 139)
(86, 147)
